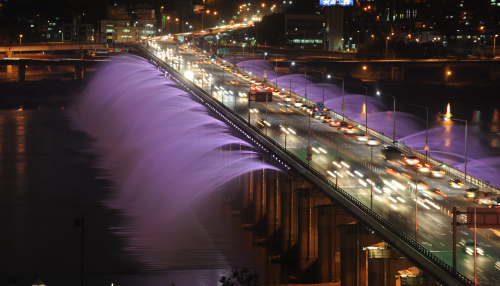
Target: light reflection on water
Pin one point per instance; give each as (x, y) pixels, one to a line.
(48, 179)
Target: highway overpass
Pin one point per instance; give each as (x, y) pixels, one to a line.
(392, 222)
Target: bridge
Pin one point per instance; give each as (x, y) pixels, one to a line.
(313, 204)
(52, 46)
(80, 65)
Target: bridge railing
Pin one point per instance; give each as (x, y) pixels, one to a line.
(449, 171)
(402, 236)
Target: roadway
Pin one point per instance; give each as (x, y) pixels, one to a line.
(433, 220)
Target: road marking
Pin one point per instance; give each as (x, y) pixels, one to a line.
(442, 244)
(488, 255)
(430, 236)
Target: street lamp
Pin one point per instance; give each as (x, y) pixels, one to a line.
(426, 130)
(323, 84)
(243, 57)
(386, 46)
(465, 160)
(305, 81)
(494, 42)
(343, 103)
(342, 44)
(20, 38)
(394, 117)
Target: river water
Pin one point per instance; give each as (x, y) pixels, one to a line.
(49, 178)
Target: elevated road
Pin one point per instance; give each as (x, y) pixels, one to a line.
(392, 213)
(37, 47)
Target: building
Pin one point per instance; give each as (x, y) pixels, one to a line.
(305, 31)
(121, 26)
(169, 22)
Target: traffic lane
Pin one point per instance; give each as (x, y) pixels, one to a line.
(276, 133)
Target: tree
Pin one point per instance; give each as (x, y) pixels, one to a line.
(240, 278)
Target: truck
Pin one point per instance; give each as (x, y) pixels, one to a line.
(319, 110)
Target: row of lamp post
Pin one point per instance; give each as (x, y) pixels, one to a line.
(394, 141)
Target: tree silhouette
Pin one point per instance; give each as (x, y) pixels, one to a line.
(240, 278)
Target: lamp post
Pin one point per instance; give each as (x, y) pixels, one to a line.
(371, 176)
(426, 129)
(465, 161)
(494, 42)
(342, 44)
(291, 78)
(305, 81)
(343, 103)
(243, 57)
(20, 38)
(276, 74)
(253, 58)
(416, 206)
(386, 46)
(323, 84)
(394, 117)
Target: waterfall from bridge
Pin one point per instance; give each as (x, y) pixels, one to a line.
(163, 151)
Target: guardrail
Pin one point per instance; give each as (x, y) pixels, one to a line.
(450, 171)
(403, 237)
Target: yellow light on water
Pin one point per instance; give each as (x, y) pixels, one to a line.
(448, 114)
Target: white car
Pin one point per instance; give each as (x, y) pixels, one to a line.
(372, 141)
(361, 137)
(469, 248)
(437, 173)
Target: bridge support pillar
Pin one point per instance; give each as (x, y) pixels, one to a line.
(21, 73)
(258, 195)
(246, 187)
(397, 73)
(272, 202)
(330, 218)
(308, 224)
(286, 198)
(304, 231)
(9, 67)
(78, 72)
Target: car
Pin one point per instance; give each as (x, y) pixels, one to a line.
(412, 160)
(252, 80)
(456, 184)
(425, 168)
(327, 119)
(235, 82)
(361, 137)
(486, 201)
(372, 141)
(350, 129)
(470, 193)
(335, 123)
(297, 103)
(438, 193)
(437, 173)
(469, 248)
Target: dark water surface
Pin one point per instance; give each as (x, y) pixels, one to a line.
(48, 179)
